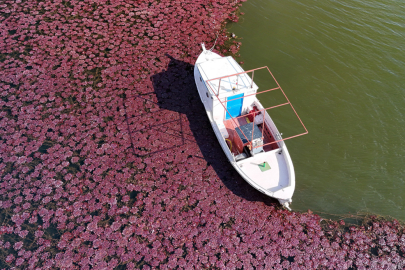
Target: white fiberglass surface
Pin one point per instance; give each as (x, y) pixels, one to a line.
(225, 66)
(275, 178)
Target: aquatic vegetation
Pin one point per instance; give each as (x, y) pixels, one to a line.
(107, 158)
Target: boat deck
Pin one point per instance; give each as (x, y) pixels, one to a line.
(230, 127)
(273, 176)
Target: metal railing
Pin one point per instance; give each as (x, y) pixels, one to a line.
(256, 112)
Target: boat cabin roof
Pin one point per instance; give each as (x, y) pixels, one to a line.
(214, 69)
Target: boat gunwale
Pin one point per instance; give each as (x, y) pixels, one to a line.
(284, 194)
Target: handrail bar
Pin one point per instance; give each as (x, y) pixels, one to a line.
(279, 87)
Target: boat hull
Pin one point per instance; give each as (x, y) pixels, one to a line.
(277, 182)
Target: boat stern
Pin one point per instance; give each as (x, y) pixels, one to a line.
(272, 173)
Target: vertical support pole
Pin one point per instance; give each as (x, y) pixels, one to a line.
(263, 126)
(219, 86)
(253, 74)
(253, 129)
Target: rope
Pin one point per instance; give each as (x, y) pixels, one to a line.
(230, 143)
(214, 42)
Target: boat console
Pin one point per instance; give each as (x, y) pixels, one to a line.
(250, 133)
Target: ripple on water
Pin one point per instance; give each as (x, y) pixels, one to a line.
(342, 65)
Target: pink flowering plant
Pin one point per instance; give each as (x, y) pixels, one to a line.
(107, 158)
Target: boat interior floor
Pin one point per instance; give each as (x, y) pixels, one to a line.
(230, 127)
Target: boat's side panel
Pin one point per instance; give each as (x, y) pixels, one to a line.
(205, 95)
(218, 110)
(273, 129)
(222, 142)
(211, 104)
(290, 167)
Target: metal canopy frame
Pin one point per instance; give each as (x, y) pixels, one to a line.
(256, 112)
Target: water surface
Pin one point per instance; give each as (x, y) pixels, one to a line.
(342, 65)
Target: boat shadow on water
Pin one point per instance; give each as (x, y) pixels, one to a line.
(178, 100)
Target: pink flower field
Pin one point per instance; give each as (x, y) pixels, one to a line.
(108, 161)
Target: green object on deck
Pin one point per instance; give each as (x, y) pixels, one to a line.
(264, 166)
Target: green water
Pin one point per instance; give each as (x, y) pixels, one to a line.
(342, 65)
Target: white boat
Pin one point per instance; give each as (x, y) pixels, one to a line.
(244, 129)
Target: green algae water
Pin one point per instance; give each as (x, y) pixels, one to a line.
(342, 65)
